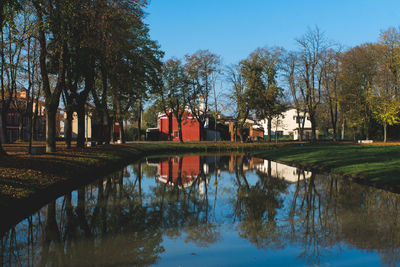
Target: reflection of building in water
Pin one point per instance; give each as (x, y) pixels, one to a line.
(282, 171)
(245, 163)
(191, 168)
(168, 170)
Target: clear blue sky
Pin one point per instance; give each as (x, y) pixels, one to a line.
(234, 28)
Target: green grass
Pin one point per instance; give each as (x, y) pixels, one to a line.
(378, 164)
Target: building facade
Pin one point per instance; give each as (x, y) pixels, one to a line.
(288, 125)
(190, 127)
(14, 122)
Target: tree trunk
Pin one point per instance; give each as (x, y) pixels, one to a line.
(367, 128)
(384, 132)
(241, 135)
(20, 127)
(334, 132)
(80, 141)
(140, 121)
(269, 125)
(343, 124)
(170, 117)
(3, 121)
(313, 128)
(4, 115)
(300, 124)
(122, 131)
(108, 132)
(334, 123)
(30, 128)
(68, 128)
(180, 130)
(202, 131)
(51, 114)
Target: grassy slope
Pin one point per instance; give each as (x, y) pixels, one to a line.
(377, 164)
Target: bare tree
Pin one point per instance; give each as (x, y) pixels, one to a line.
(201, 68)
(296, 87)
(238, 99)
(312, 45)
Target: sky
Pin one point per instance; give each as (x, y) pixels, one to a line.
(235, 28)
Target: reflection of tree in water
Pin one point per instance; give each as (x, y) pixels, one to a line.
(105, 227)
(327, 211)
(311, 225)
(116, 222)
(369, 219)
(256, 207)
(184, 209)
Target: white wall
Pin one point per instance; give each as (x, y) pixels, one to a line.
(286, 123)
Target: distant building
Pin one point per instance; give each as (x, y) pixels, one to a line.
(13, 118)
(190, 128)
(91, 130)
(287, 125)
(252, 131)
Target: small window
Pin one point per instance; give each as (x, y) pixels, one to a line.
(176, 134)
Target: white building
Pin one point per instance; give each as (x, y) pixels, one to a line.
(287, 125)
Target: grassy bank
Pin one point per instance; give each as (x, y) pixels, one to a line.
(29, 181)
(374, 164)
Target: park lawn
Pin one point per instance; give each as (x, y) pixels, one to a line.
(372, 163)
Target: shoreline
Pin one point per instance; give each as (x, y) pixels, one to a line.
(371, 165)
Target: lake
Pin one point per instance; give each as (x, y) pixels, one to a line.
(211, 210)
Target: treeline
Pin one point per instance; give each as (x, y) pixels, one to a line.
(350, 93)
(354, 91)
(77, 52)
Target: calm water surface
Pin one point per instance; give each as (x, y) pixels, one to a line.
(211, 211)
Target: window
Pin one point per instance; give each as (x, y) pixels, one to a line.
(176, 134)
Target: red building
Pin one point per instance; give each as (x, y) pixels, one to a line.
(190, 128)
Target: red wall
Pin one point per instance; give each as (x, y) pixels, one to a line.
(190, 128)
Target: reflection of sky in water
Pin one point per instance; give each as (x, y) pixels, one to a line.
(237, 243)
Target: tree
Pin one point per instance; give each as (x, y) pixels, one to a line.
(172, 96)
(330, 84)
(239, 99)
(55, 14)
(312, 45)
(201, 68)
(129, 63)
(8, 10)
(293, 79)
(359, 66)
(259, 71)
(382, 97)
